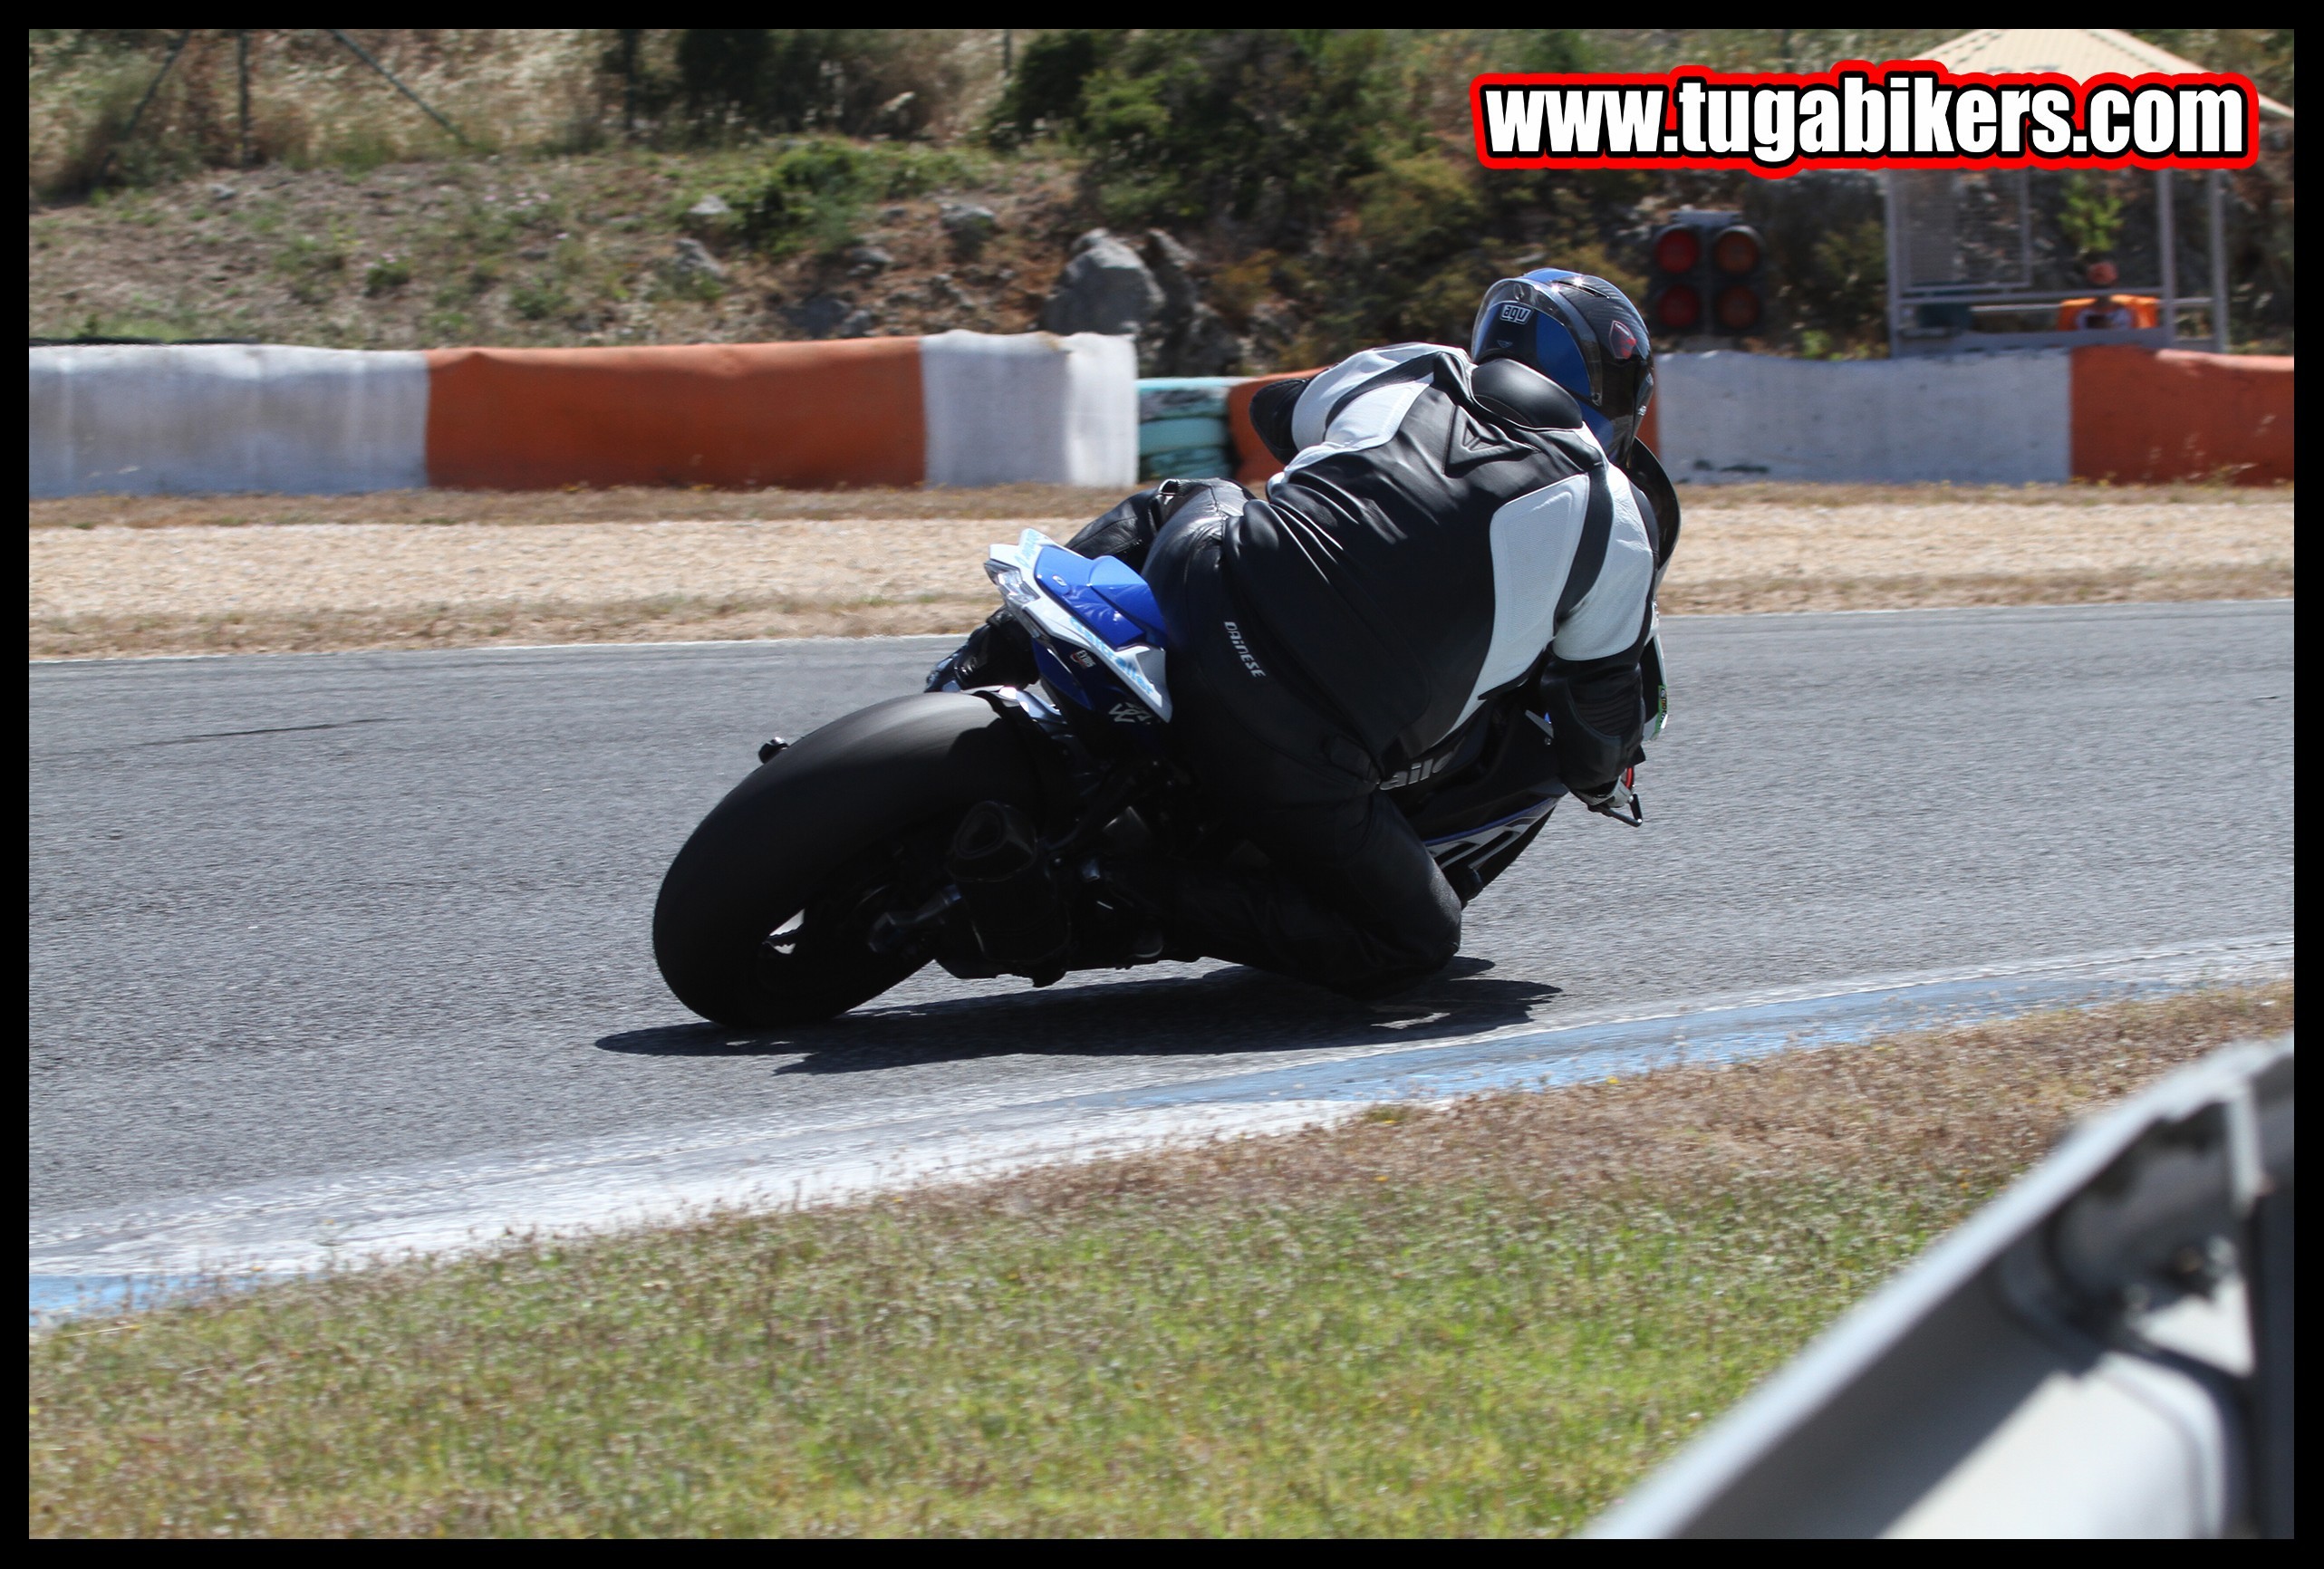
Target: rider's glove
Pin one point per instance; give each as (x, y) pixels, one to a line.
(1617, 800)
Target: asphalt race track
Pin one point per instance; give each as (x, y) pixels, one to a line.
(300, 916)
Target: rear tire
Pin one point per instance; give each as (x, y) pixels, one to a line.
(817, 842)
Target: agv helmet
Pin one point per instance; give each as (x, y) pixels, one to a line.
(1584, 334)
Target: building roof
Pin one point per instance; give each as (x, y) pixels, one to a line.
(2080, 53)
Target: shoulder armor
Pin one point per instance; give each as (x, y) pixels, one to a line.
(1521, 395)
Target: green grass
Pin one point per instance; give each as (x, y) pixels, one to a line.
(1399, 1362)
(1487, 1320)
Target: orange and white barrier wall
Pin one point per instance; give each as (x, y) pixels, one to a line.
(2140, 414)
(953, 409)
(2113, 412)
(976, 408)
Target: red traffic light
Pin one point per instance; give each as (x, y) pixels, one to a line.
(1677, 250)
(1735, 250)
(1680, 308)
(1737, 308)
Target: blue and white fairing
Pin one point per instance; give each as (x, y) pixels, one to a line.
(1097, 614)
(1099, 642)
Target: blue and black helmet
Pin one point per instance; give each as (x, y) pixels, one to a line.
(1584, 334)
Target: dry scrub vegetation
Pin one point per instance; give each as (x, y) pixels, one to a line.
(1486, 1318)
(442, 569)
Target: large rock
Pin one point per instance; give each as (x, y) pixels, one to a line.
(691, 262)
(1187, 337)
(1105, 288)
(967, 226)
(711, 219)
(830, 316)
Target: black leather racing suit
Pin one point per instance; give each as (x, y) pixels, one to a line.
(1444, 532)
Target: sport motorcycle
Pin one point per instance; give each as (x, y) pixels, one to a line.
(969, 828)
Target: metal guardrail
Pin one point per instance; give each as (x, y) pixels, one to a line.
(2106, 1350)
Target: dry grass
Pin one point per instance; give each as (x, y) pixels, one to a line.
(1927, 590)
(657, 504)
(679, 618)
(554, 251)
(1802, 494)
(673, 618)
(173, 575)
(445, 570)
(1968, 1108)
(617, 504)
(1488, 1318)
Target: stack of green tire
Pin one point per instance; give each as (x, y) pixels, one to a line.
(1182, 428)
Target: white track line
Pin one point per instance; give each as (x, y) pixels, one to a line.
(670, 1173)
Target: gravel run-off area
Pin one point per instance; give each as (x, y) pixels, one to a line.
(103, 585)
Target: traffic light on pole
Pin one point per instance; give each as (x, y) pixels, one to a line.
(1707, 276)
(1738, 280)
(1675, 289)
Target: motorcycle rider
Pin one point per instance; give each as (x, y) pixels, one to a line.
(1447, 525)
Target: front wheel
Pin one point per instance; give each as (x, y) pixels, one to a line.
(763, 915)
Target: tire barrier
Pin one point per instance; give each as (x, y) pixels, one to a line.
(1183, 429)
(951, 408)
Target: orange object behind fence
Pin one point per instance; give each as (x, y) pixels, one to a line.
(2145, 311)
(810, 414)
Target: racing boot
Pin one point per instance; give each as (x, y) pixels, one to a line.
(1114, 931)
(1261, 918)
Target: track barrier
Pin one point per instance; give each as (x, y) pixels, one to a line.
(1182, 428)
(950, 409)
(2105, 1351)
(977, 409)
(2141, 415)
(146, 420)
(742, 415)
(2117, 413)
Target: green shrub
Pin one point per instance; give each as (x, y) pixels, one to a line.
(2092, 219)
(1044, 91)
(312, 267)
(1260, 128)
(538, 299)
(812, 194)
(717, 84)
(1848, 284)
(386, 275)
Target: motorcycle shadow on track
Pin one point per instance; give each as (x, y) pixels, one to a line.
(1228, 1010)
